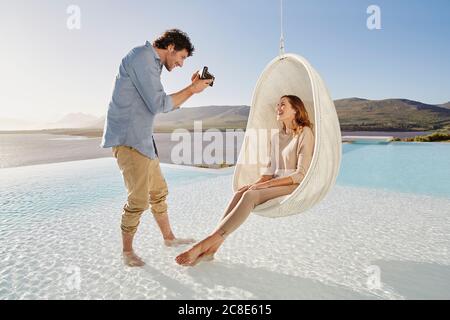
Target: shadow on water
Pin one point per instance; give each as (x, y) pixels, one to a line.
(416, 280)
(175, 289)
(265, 284)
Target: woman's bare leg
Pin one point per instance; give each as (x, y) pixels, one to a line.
(232, 204)
(190, 256)
(209, 245)
(248, 202)
(231, 222)
(237, 196)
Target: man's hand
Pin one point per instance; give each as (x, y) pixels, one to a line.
(195, 75)
(198, 85)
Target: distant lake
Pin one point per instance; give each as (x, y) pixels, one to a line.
(28, 149)
(21, 149)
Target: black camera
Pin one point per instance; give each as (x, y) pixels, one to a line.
(206, 75)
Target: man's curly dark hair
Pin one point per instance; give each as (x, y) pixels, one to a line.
(176, 37)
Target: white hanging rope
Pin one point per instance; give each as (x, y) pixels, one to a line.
(282, 34)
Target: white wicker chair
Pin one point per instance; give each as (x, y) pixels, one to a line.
(292, 74)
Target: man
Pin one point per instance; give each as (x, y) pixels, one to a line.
(138, 96)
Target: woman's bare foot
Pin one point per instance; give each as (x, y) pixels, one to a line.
(203, 257)
(201, 251)
(188, 257)
(131, 259)
(178, 242)
(209, 254)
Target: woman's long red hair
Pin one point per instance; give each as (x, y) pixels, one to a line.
(301, 116)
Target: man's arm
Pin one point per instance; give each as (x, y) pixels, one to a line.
(181, 97)
(197, 86)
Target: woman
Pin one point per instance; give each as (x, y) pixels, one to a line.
(286, 169)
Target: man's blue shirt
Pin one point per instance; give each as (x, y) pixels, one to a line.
(137, 98)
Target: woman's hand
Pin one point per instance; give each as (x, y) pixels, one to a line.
(262, 183)
(244, 188)
(259, 186)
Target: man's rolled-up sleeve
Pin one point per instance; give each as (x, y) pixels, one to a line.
(144, 74)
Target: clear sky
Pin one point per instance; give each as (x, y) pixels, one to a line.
(49, 70)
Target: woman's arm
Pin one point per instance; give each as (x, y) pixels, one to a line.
(262, 179)
(304, 160)
(304, 156)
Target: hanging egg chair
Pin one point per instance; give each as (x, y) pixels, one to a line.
(290, 74)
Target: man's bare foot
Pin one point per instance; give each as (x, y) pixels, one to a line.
(131, 259)
(178, 242)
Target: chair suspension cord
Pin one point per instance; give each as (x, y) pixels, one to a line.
(281, 24)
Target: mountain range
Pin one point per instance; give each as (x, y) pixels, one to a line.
(445, 105)
(391, 114)
(355, 114)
